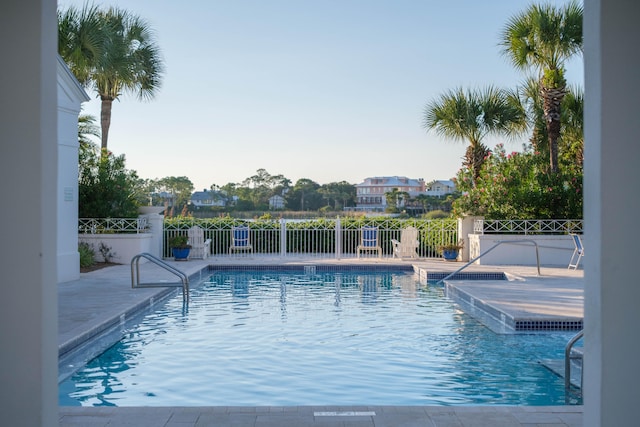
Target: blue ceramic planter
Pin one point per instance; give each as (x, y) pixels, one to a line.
(450, 254)
(180, 254)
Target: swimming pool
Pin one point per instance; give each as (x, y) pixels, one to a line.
(285, 339)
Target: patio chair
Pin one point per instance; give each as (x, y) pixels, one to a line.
(408, 244)
(369, 241)
(578, 252)
(200, 248)
(240, 239)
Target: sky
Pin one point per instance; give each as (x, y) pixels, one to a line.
(329, 90)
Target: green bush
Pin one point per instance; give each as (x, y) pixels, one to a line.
(87, 255)
(437, 214)
(519, 186)
(106, 189)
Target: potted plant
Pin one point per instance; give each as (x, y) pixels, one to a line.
(450, 251)
(180, 247)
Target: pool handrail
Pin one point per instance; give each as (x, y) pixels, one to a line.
(135, 275)
(569, 355)
(498, 243)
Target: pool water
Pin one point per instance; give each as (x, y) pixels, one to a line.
(268, 338)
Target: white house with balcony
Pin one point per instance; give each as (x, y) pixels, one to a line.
(441, 188)
(370, 194)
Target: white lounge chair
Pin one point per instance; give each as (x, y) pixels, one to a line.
(408, 244)
(200, 248)
(578, 252)
(369, 240)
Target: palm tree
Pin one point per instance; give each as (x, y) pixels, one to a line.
(80, 40)
(87, 128)
(573, 125)
(112, 51)
(532, 100)
(472, 115)
(542, 38)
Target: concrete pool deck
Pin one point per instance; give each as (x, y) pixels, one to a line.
(103, 300)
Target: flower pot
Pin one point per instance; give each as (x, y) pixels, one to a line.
(450, 254)
(180, 254)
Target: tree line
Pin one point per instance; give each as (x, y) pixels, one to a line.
(113, 52)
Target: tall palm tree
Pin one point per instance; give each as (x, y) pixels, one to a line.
(573, 125)
(472, 115)
(114, 52)
(542, 38)
(80, 40)
(532, 100)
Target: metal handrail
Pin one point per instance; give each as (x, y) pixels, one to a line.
(568, 356)
(489, 250)
(135, 275)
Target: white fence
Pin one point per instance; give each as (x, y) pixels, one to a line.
(551, 235)
(321, 238)
(113, 225)
(528, 226)
(336, 238)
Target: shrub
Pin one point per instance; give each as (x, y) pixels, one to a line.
(106, 252)
(519, 186)
(106, 189)
(87, 255)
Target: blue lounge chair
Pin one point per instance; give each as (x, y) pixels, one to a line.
(240, 239)
(578, 252)
(369, 240)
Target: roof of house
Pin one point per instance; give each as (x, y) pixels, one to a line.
(446, 182)
(201, 195)
(391, 181)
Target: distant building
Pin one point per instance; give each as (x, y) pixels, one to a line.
(441, 188)
(207, 198)
(276, 202)
(370, 194)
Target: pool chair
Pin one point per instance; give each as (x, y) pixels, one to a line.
(240, 239)
(200, 248)
(369, 241)
(578, 252)
(408, 244)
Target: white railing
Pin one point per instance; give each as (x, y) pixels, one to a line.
(528, 226)
(113, 225)
(320, 238)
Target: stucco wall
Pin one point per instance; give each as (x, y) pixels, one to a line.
(553, 250)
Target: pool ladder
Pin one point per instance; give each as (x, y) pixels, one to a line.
(569, 355)
(135, 275)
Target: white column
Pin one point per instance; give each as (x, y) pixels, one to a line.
(465, 227)
(28, 164)
(156, 224)
(612, 155)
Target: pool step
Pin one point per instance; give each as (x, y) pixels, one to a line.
(557, 367)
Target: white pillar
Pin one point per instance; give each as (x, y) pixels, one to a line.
(156, 225)
(465, 227)
(28, 176)
(69, 103)
(612, 154)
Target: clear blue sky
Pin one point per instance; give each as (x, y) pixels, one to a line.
(328, 90)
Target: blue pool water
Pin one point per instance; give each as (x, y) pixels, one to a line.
(274, 338)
